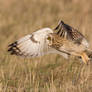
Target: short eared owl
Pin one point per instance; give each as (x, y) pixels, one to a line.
(63, 40)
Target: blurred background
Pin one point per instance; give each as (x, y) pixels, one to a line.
(50, 73)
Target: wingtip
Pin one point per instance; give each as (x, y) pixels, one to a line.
(11, 48)
(61, 22)
(13, 44)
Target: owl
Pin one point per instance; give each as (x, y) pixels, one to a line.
(63, 40)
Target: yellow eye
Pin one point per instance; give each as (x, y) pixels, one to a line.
(49, 38)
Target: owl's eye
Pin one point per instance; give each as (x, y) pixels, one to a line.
(49, 38)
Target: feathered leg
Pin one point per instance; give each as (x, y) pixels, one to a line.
(84, 57)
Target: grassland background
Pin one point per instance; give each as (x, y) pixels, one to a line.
(50, 73)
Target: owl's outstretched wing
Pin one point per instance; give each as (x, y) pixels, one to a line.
(33, 45)
(70, 33)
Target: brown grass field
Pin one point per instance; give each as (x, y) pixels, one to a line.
(50, 73)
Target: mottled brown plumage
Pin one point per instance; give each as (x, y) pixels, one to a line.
(69, 40)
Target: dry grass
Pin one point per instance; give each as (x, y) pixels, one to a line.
(50, 73)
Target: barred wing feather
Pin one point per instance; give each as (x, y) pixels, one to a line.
(71, 33)
(31, 45)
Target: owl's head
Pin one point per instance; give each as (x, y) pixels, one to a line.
(47, 30)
